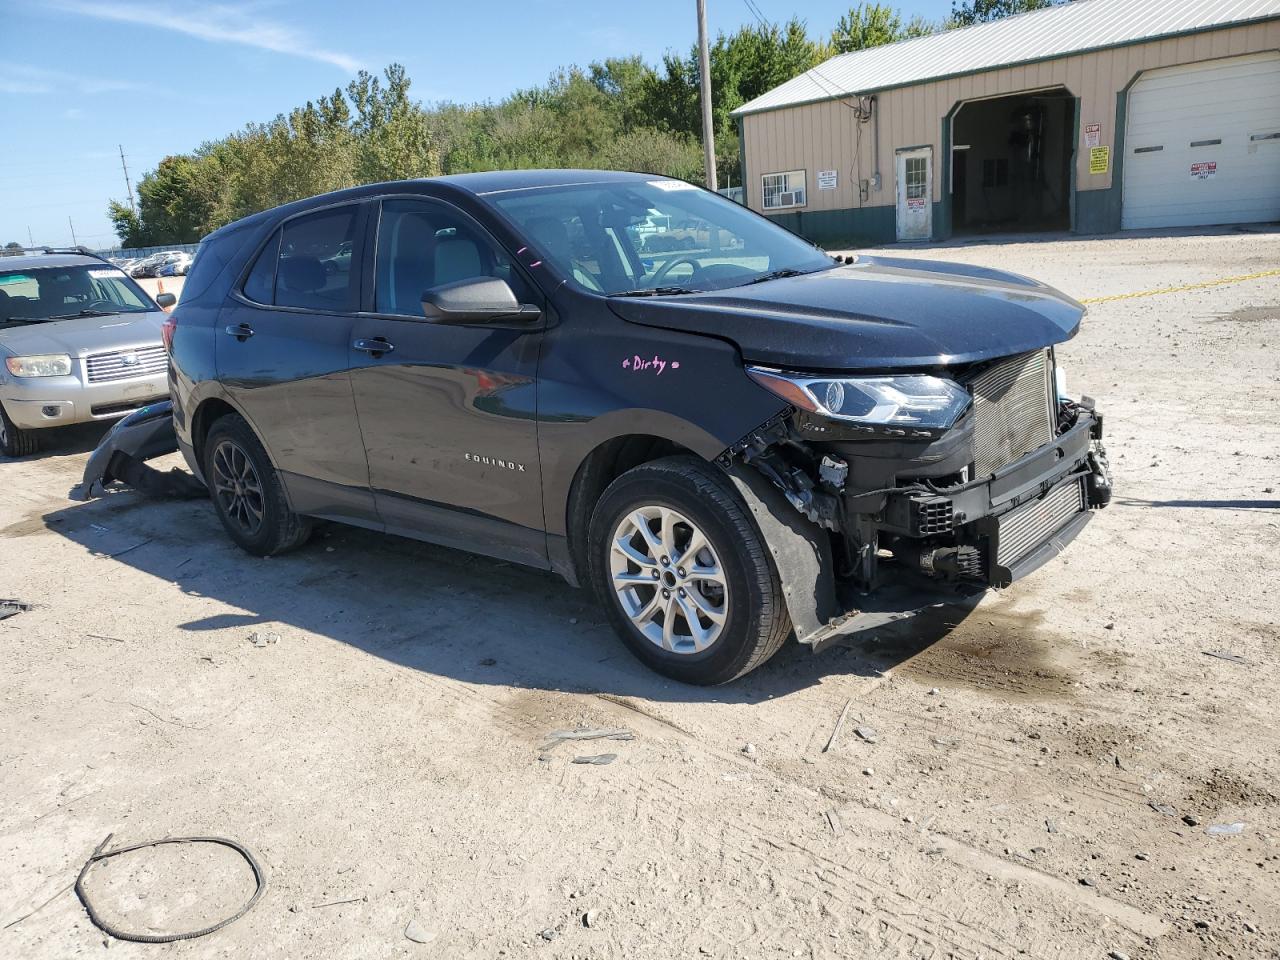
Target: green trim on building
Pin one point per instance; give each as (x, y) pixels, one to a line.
(850, 227)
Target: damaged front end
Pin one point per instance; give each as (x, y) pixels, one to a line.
(919, 490)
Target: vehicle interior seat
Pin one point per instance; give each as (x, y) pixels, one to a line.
(552, 233)
(301, 275)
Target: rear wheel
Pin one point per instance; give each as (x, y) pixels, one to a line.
(15, 442)
(247, 493)
(684, 574)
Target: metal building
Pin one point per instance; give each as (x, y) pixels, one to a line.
(1095, 116)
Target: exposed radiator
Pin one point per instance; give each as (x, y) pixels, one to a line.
(1011, 410)
(1025, 528)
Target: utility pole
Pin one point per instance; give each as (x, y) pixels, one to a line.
(127, 185)
(704, 70)
(74, 243)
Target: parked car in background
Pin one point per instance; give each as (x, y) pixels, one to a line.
(730, 445)
(79, 341)
(149, 266)
(176, 265)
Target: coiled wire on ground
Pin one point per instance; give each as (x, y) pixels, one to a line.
(98, 856)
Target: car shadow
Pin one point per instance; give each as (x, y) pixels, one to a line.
(64, 441)
(1202, 504)
(435, 609)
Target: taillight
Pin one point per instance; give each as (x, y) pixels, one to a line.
(166, 331)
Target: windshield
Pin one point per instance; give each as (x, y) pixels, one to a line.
(657, 236)
(50, 293)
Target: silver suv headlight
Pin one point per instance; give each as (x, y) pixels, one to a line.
(908, 400)
(45, 365)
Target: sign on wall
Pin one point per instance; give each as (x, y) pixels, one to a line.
(1092, 134)
(827, 179)
(1099, 159)
(1204, 170)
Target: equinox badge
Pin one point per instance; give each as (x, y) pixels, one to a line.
(495, 462)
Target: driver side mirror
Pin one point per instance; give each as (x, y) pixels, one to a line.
(165, 300)
(475, 300)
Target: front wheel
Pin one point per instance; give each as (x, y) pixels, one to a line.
(684, 574)
(14, 441)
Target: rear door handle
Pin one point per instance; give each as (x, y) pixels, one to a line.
(241, 331)
(375, 345)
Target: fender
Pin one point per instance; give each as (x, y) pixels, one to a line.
(143, 435)
(801, 553)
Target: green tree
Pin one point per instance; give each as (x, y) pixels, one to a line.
(969, 12)
(11, 249)
(866, 25)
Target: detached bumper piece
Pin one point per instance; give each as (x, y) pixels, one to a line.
(123, 452)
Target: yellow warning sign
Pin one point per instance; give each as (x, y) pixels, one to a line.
(1099, 159)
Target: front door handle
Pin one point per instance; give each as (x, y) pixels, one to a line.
(241, 331)
(375, 346)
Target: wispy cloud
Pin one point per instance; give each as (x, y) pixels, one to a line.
(22, 78)
(217, 23)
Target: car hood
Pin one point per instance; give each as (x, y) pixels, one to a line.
(82, 336)
(877, 312)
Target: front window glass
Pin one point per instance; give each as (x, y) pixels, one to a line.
(38, 294)
(637, 237)
(424, 245)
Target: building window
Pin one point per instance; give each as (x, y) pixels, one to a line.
(995, 172)
(782, 190)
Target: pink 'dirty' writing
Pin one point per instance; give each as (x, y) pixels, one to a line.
(639, 364)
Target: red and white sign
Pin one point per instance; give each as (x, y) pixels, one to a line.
(915, 203)
(1092, 134)
(1204, 170)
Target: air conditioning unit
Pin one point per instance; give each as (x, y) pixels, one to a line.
(787, 199)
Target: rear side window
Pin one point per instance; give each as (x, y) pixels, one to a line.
(307, 263)
(261, 283)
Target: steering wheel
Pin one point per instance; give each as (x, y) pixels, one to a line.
(672, 263)
(92, 304)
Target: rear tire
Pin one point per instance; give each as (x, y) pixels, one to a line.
(247, 493)
(696, 597)
(14, 441)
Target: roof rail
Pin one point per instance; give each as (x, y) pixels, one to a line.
(79, 250)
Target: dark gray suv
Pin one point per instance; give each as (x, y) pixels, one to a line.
(732, 436)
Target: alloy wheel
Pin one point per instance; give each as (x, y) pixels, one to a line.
(668, 579)
(237, 487)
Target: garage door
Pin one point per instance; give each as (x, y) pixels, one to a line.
(1202, 144)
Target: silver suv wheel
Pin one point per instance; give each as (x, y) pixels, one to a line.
(668, 579)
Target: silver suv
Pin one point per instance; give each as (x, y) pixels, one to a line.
(79, 341)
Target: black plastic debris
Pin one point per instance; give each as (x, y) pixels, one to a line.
(11, 608)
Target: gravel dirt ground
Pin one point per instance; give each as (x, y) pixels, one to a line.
(1044, 772)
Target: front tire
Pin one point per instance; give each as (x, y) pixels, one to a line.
(247, 493)
(14, 441)
(684, 574)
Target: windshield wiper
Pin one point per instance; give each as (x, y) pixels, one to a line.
(778, 275)
(655, 292)
(83, 313)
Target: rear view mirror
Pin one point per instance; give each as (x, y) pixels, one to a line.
(166, 300)
(477, 300)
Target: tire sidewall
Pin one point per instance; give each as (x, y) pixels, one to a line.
(236, 430)
(725, 658)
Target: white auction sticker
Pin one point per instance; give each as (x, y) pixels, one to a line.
(671, 185)
(105, 274)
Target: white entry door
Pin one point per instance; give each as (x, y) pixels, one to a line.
(915, 194)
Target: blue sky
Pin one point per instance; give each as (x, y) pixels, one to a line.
(78, 77)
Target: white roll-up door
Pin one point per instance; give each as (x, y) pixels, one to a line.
(1202, 144)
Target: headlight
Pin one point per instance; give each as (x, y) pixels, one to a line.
(47, 365)
(910, 400)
